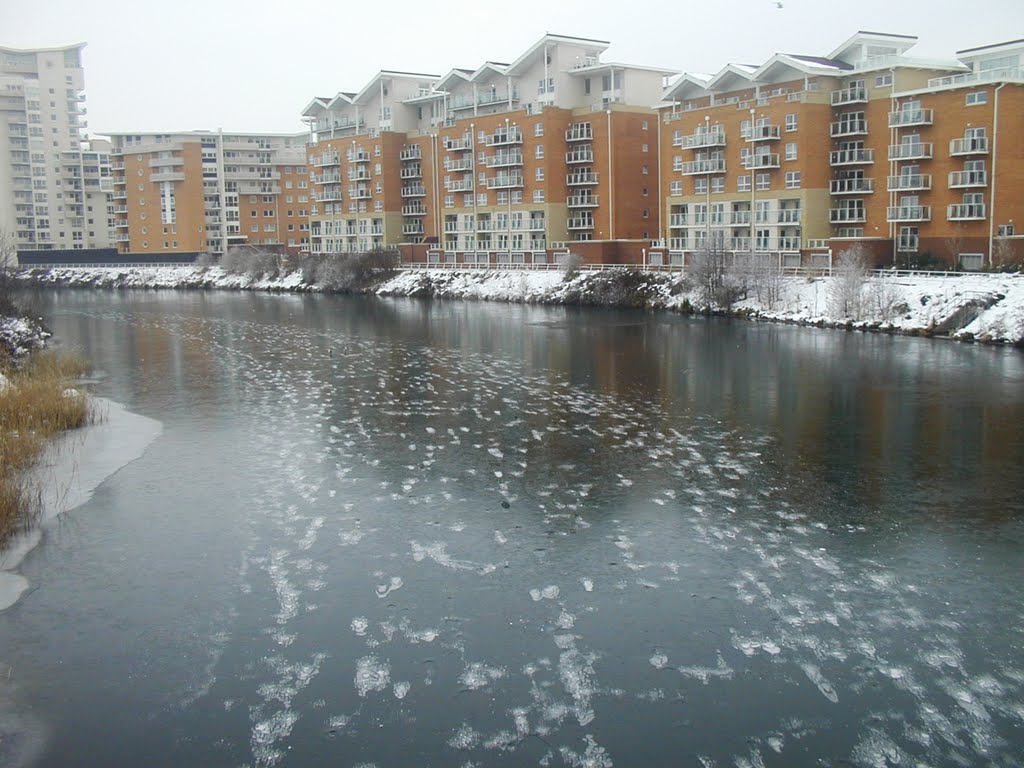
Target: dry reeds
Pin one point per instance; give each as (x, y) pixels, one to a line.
(37, 403)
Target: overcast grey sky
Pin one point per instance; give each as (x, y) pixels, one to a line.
(253, 66)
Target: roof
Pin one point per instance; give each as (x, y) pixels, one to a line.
(384, 74)
(73, 46)
(534, 49)
(993, 46)
(615, 65)
(901, 41)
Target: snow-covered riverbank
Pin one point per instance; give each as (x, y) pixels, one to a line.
(982, 307)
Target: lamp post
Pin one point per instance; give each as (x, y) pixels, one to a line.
(707, 188)
(753, 183)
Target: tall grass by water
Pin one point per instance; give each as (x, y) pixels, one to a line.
(38, 402)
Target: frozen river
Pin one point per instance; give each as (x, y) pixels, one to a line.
(392, 533)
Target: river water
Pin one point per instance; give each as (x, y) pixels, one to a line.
(401, 533)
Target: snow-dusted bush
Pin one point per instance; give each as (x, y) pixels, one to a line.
(846, 288)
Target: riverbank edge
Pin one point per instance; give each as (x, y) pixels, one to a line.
(653, 291)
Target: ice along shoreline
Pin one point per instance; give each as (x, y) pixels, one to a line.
(981, 307)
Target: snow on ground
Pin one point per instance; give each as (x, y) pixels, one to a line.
(984, 307)
(19, 335)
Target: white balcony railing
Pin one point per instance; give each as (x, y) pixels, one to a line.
(854, 95)
(704, 167)
(852, 157)
(912, 151)
(969, 212)
(910, 181)
(769, 160)
(847, 216)
(855, 127)
(700, 139)
(909, 213)
(581, 179)
(580, 132)
(851, 186)
(582, 201)
(907, 117)
(972, 146)
(585, 155)
(961, 179)
(763, 133)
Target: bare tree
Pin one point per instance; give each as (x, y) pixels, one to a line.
(955, 244)
(8, 264)
(249, 260)
(762, 276)
(718, 281)
(885, 298)
(570, 265)
(846, 288)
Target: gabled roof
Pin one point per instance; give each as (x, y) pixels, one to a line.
(992, 48)
(538, 48)
(606, 65)
(488, 68)
(318, 104)
(385, 74)
(903, 42)
(732, 76)
(452, 78)
(688, 86)
(341, 100)
(801, 65)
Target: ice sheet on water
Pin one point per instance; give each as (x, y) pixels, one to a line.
(371, 675)
(477, 675)
(876, 750)
(815, 675)
(659, 660)
(588, 585)
(502, 740)
(593, 756)
(268, 732)
(401, 689)
(500, 538)
(721, 671)
(360, 625)
(464, 738)
(394, 583)
(576, 671)
(437, 551)
(549, 592)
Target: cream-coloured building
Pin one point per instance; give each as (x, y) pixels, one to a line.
(203, 191)
(54, 184)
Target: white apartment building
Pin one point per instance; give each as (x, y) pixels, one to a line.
(54, 185)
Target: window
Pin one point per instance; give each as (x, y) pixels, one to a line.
(675, 188)
(643, 125)
(1006, 230)
(538, 195)
(539, 174)
(677, 163)
(449, 201)
(644, 170)
(908, 239)
(538, 152)
(700, 185)
(643, 148)
(718, 185)
(977, 97)
(883, 81)
(742, 183)
(791, 150)
(791, 122)
(517, 196)
(792, 179)
(646, 213)
(764, 181)
(538, 129)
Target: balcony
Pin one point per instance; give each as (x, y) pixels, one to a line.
(582, 155)
(327, 178)
(739, 218)
(582, 201)
(855, 95)
(962, 179)
(704, 167)
(414, 210)
(852, 186)
(505, 181)
(764, 133)
(960, 147)
(847, 216)
(908, 117)
(769, 160)
(505, 159)
(459, 145)
(167, 176)
(909, 213)
(856, 127)
(584, 222)
(580, 179)
(851, 157)
(910, 181)
(535, 225)
(505, 137)
(166, 162)
(969, 212)
(326, 159)
(358, 156)
(458, 165)
(580, 132)
(914, 151)
(359, 193)
(412, 152)
(789, 216)
(460, 185)
(678, 220)
(121, 210)
(702, 139)
(358, 174)
(414, 190)
(411, 172)
(121, 224)
(329, 196)
(415, 228)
